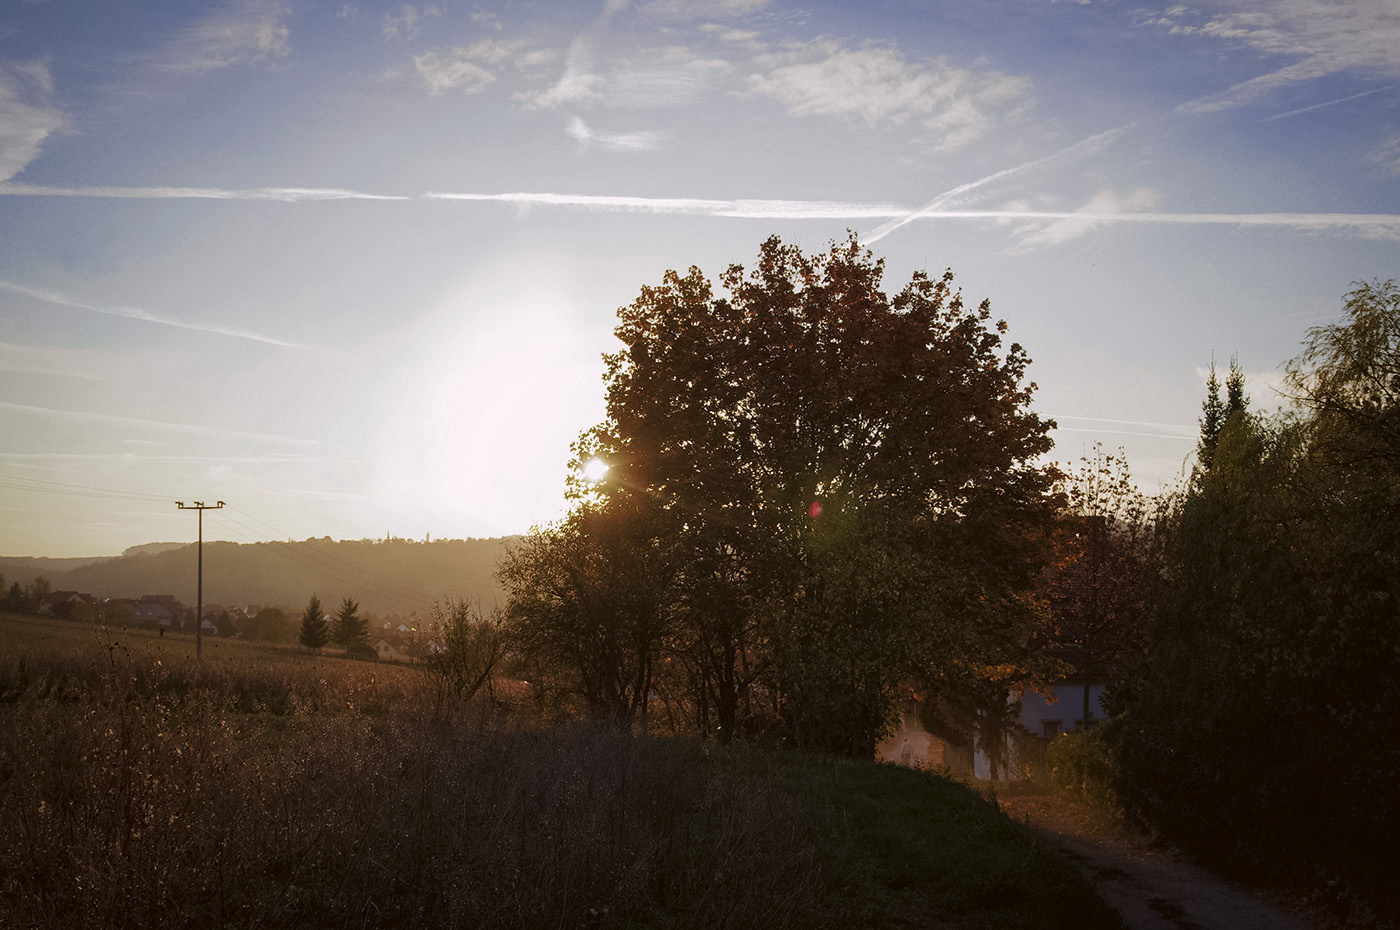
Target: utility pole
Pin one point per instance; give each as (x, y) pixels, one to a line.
(199, 576)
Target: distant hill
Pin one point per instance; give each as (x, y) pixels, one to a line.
(24, 568)
(152, 548)
(393, 576)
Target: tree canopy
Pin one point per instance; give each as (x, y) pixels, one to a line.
(842, 485)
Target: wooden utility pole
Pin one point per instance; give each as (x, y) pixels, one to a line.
(199, 574)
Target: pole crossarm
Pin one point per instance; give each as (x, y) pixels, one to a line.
(199, 576)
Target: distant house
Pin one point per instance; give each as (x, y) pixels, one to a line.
(1035, 718)
(389, 649)
(160, 609)
(62, 603)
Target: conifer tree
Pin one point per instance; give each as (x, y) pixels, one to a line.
(314, 629)
(348, 627)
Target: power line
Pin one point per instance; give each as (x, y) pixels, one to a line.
(78, 490)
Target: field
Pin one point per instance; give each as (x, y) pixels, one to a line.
(267, 788)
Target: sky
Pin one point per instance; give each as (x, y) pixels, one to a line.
(351, 267)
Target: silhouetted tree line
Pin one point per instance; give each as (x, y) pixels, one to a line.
(1260, 725)
(822, 501)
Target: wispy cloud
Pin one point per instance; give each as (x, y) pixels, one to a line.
(1388, 155)
(277, 194)
(1321, 37)
(878, 85)
(92, 416)
(244, 32)
(27, 114)
(408, 22)
(642, 141)
(579, 85)
(145, 316)
(1038, 234)
(465, 68)
(1080, 149)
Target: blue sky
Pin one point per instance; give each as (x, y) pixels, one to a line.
(350, 267)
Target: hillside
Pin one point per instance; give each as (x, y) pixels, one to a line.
(386, 576)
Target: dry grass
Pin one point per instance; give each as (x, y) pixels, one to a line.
(262, 788)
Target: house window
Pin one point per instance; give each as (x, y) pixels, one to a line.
(1049, 728)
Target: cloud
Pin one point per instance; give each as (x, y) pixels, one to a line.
(27, 116)
(453, 72)
(1388, 155)
(876, 84)
(692, 10)
(1083, 148)
(275, 194)
(1322, 37)
(644, 141)
(664, 77)
(465, 68)
(577, 86)
(245, 32)
(409, 21)
(145, 316)
(1084, 220)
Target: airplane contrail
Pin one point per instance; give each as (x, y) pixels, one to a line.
(1095, 141)
(691, 206)
(156, 424)
(135, 313)
(1329, 103)
(277, 194)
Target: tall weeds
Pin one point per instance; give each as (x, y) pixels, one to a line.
(141, 793)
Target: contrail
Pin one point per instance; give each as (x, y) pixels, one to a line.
(1319, 106)
(1144, 423)
(1084, 145)
(1386, 223)
(278, 194)
(134, 313)
(693, 206)
(157, 424)
(1123, 432)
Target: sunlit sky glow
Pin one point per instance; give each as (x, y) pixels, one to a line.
(351, 267)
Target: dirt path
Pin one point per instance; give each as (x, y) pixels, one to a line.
(1152, 888)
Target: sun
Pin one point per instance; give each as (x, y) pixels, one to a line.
(595, 470)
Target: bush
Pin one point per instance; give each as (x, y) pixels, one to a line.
(1082, 767)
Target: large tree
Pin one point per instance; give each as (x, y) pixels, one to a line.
(849, 479)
